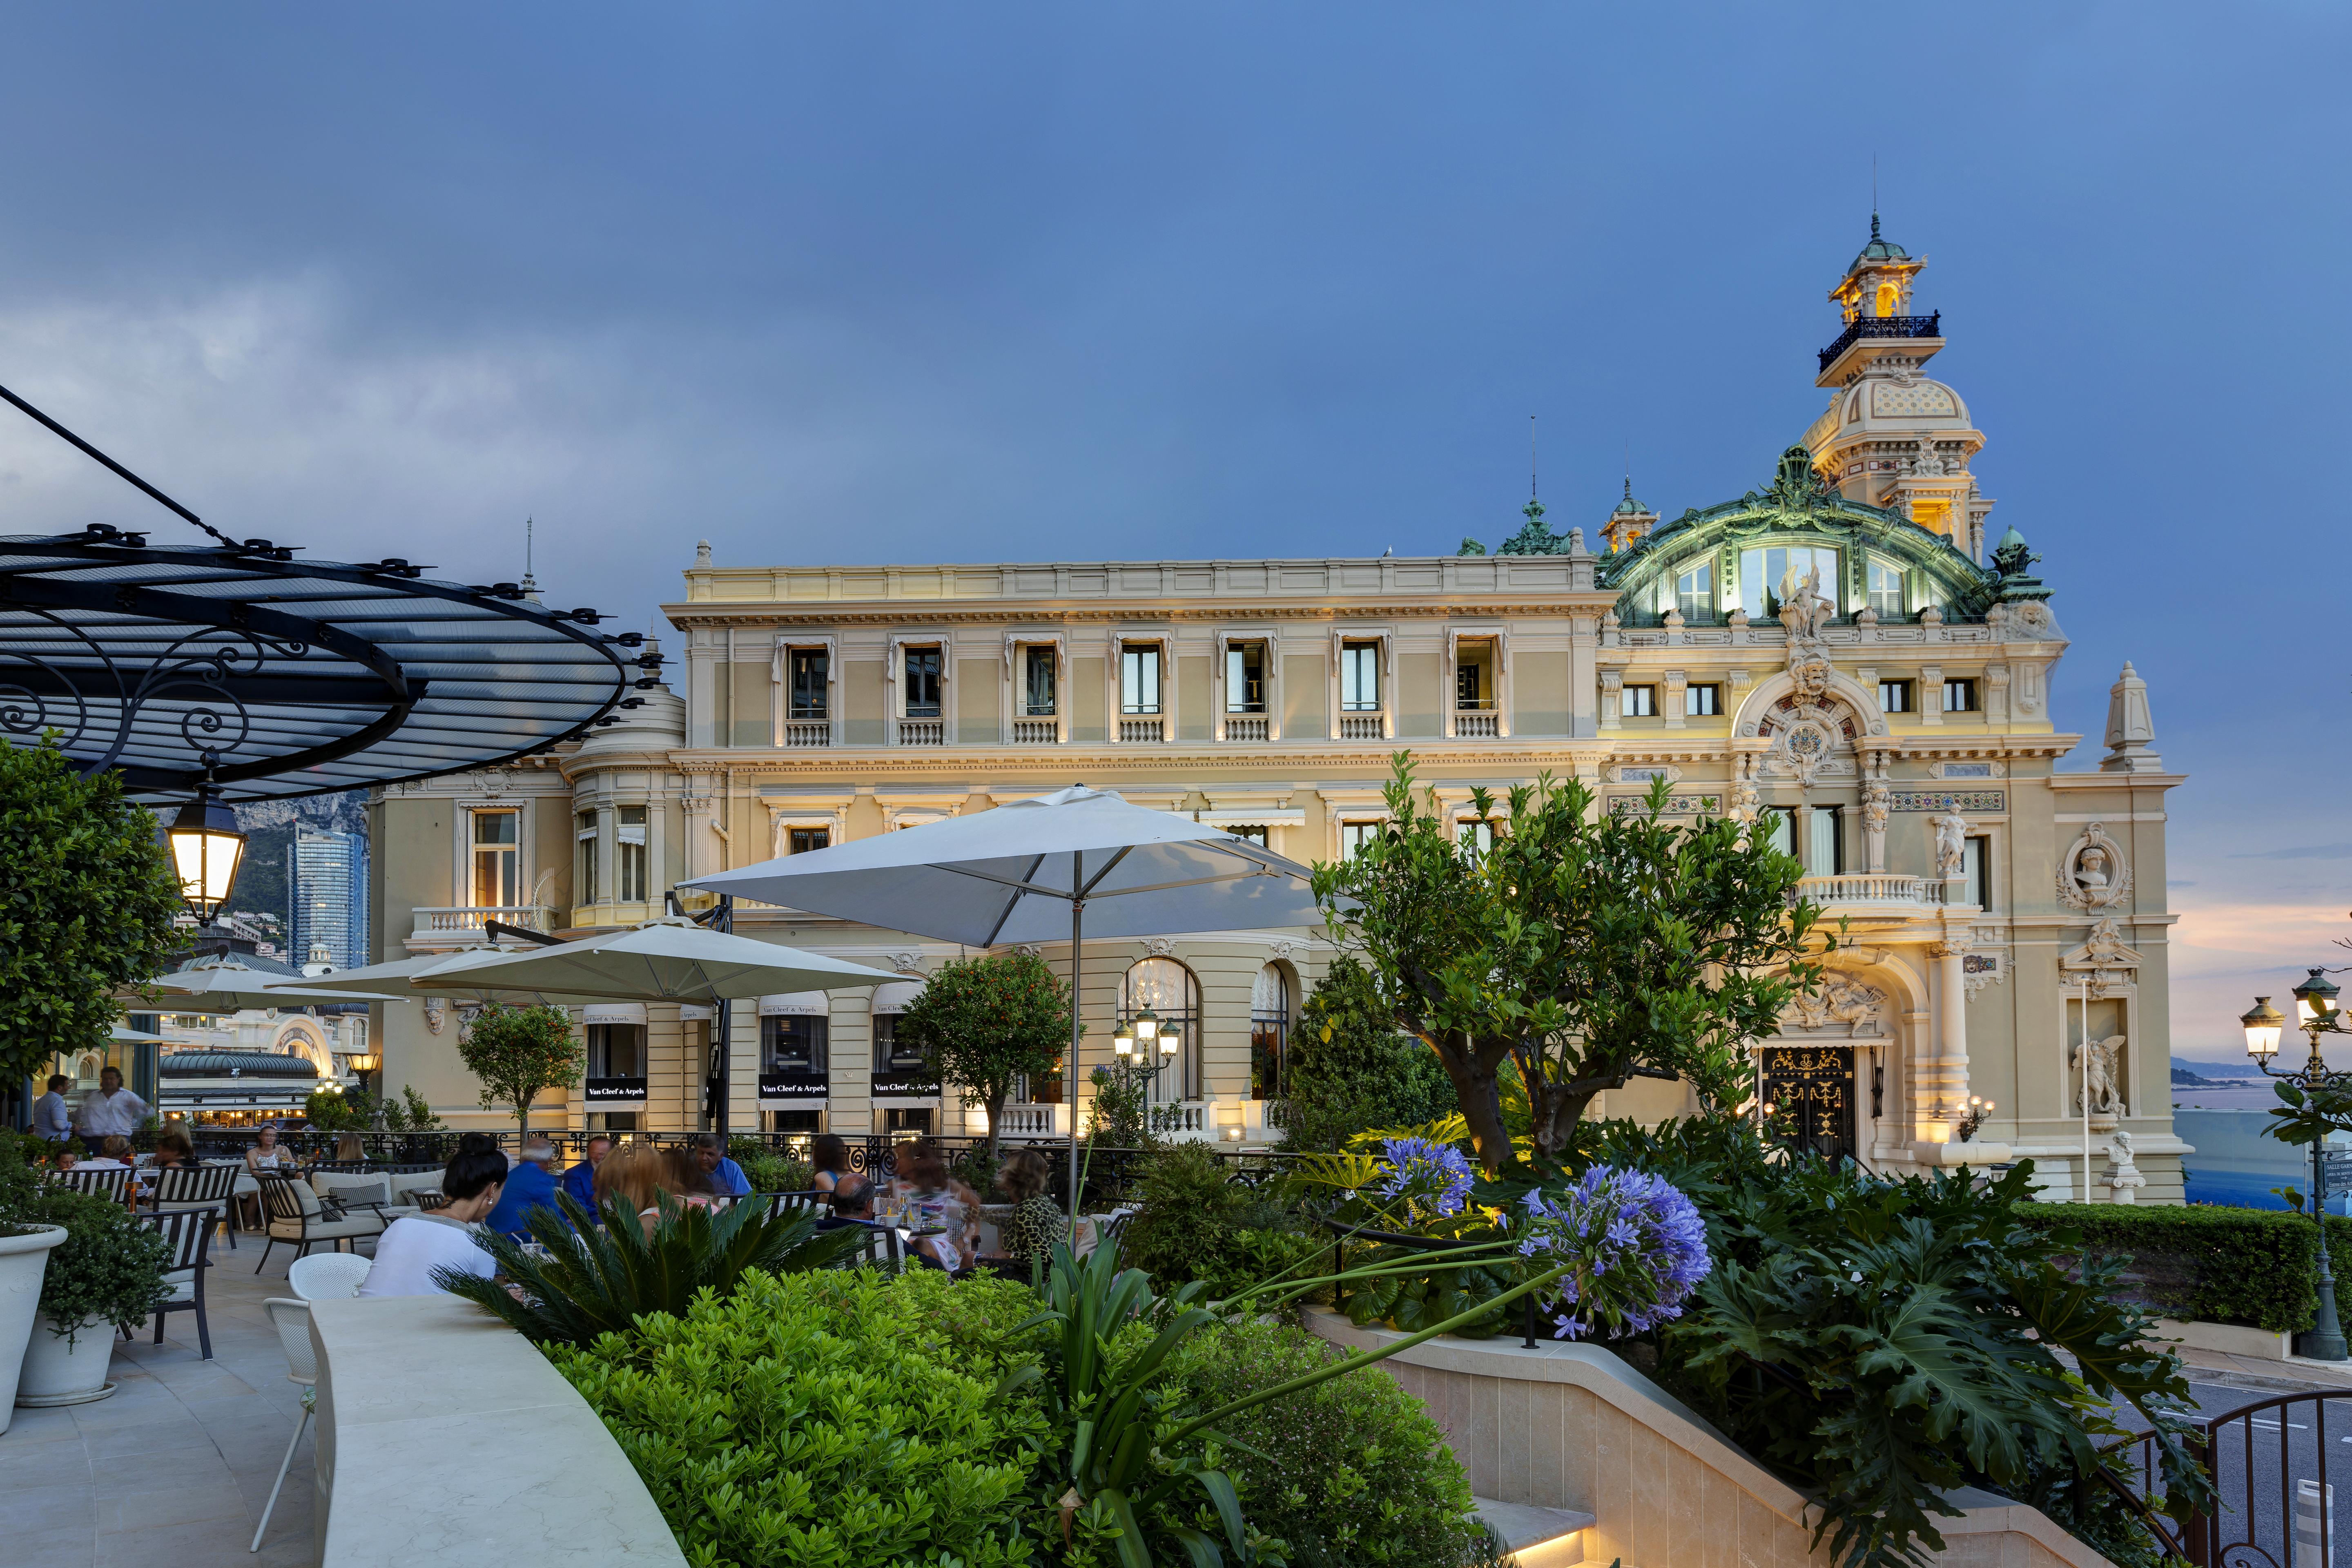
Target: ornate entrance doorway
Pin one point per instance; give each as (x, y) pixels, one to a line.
(1808, 1093)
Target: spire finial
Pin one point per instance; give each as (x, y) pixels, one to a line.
(1532, 457)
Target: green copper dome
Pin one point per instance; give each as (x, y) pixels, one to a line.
(1629, 507)
(1880, 249)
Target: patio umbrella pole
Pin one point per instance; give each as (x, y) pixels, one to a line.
(1070, 1074)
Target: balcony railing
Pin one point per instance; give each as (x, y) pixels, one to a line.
(1036, 731)
(1246, 727)
(1033, 1121)
(1883, 327)
(1142, 729)
(808, 733)
(457, 920)
(1478, 726)
(1881, 890)
(922, 732)
(1362, 726)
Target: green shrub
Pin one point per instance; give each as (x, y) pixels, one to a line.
(109, 1267)
(2207, 1262)
(1350, 1472)
(1181, 1229)
(769, 1171)
(819, 1420)
(1350, 1070)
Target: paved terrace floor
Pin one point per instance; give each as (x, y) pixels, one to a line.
(171, 1471)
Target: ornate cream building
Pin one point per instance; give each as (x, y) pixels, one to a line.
(1836, 646)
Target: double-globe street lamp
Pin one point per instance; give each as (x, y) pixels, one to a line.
(2315, 1014)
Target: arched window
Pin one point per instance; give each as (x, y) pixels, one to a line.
(1269, 1031)
(1168, 988)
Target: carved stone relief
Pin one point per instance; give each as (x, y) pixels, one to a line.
(1843, 1003)
(2105, 963)
(2092, 874)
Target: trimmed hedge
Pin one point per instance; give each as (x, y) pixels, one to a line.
(2208, 1263)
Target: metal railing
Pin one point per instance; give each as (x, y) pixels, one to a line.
(1362, 726)
(2270, 1465)
(808, 733)
(1883, 327)
(454, 918)
(1246, 727)
(1036, 731)
(1142, 729)
(922, 732)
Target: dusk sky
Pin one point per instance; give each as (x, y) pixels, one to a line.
(920, 283)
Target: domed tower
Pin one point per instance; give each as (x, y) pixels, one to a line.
(1629, 521)
(1891, 437)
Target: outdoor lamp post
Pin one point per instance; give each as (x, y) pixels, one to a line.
(207, 846)
(1122, 1042)
(2315, 1014)
(1147, 1028)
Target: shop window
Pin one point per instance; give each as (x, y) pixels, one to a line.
(794, 1043)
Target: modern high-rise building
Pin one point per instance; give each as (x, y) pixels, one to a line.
(327, 886)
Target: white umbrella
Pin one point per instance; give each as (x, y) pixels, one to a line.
(662, 961)
(435, 975)
(122, 1035)
(218, 986)
(1015, 873)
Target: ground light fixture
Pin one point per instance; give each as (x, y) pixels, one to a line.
(207, 846)
(2315, 1014)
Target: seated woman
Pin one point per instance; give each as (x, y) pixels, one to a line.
(415, 1245)
(641, 1174)
(924, 1183)
(113, 1155)
(1036, 1223)
(265, 1155)
(830, 1159)
(173, 1150)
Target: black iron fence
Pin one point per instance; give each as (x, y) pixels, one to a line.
(2274, 1470)
(1883, 327)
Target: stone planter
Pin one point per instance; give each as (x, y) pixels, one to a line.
(61, 1371)
(23, 1260)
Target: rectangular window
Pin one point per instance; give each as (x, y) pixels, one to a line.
(616, 1050)
(1253, 831)
(1354, 836)
(584, 831)
(1038, 681)
(1886, 589)
(1767, 574)
(1138, 679)
(1359, 677)
(1470, 694)
(1703, 701)
(890, 1055)
(498, 867)
(1976, 869)
(1695, 593)
(629, 855)
(811, 666)
(800, 840)
(1638, 702)
(1960, 697)
(1782, 834)
(1894, 697)
(922, 683)
(1246, 678)
(1825, 845)
(1475, 833)
(794, 1042)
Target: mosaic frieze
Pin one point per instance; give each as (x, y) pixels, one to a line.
(1677, 805)
(1959, 800)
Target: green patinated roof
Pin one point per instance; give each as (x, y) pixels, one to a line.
(1880, 249)
(1796, 505)
(1629, 507)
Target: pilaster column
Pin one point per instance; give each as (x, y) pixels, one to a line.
(1951, 1028)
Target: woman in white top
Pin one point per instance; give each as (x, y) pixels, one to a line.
(416, 1244)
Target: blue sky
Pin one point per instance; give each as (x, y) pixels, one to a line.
(1039, 281)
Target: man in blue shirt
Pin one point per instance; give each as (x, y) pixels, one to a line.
(579, 1181)
(725, 1176)
(530, 1184)
(52, 1121)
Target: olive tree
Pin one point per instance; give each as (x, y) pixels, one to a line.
(985, 1022)
(1587, 947)
(518, 1051)
(86, 902)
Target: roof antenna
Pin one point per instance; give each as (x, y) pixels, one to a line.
(1531, 457)
(529, 586)
(1874, 193)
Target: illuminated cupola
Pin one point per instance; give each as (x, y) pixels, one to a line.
(1891, 437)
(1629, 522)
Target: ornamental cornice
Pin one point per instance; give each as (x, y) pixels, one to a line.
(1001, 762)
(1572, 602)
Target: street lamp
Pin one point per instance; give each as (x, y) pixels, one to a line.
(207, 846)
(1122, 1042)
(2315, 1014)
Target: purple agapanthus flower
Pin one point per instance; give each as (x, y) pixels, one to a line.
(1432, 1179)
(1635, 1244)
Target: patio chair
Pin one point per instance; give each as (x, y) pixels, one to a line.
(327, 1276)
(188, 1232)
(113, 1186)
(299, 1216)
(812, 1202)
(292, 1322)
(354, 1193)
(197, 1187)
(878, 1249)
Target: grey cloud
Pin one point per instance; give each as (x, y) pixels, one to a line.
(2313, 852)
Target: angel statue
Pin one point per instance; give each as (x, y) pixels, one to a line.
(2103, 1075)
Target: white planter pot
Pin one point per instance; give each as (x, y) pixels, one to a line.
(24, 1259)
(61, 1371)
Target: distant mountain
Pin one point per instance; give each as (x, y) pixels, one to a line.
(270, 827)
(2209, 1075)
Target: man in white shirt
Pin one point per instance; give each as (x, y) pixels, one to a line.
(110, 1111)
(415, 1245)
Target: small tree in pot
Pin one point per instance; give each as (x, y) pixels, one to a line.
(986, 1022)
(107, 1273)
(518, 1051)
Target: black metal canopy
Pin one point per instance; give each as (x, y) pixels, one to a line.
(282, 677)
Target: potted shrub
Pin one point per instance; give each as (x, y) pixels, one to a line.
(104, 1273)
(24, 1259)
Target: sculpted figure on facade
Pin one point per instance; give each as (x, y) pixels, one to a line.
(2102, 1065)
(1877, 802)
(1951, 843)
(1839, 999)
(2092, 874)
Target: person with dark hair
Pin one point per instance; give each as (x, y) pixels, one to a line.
(175, 1150)
(830, 1160)
(415, 1245)
(853, 1204)
(1036, 1222)
(581, 1180)
(725, 1177)
(52, 1119)
(110, 1111)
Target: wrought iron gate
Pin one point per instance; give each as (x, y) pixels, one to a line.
(1808, 1094)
